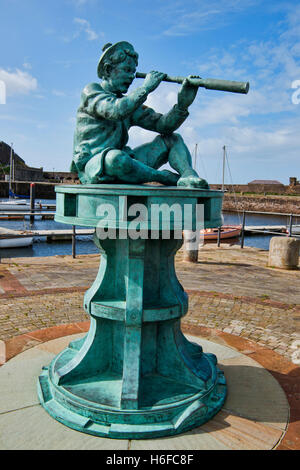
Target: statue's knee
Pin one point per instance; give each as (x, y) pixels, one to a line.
(117, 162)
(176, 138)
(173, 139)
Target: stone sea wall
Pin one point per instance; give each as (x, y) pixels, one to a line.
(42, 190)
(282, 204)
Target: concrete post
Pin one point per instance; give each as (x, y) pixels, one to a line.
(284, 252)
(190, 253)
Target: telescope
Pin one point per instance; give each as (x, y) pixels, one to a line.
(208, 83)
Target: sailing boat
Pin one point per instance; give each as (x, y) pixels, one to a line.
(226, 231)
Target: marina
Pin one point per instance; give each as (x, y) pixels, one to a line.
(51, 238)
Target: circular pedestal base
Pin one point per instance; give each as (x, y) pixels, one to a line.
(178, 407)
(255, 415)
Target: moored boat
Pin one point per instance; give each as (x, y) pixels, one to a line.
(17, 205)
(15, 239)
(227, 231)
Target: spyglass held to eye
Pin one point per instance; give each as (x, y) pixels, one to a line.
(208, 83)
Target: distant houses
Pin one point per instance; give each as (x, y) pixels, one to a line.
(264, 186)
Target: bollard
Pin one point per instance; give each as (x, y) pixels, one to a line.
(284, 252)
(189, 252)
(291, 225)
(219, 236)
(243, 230)
(74, 242)
(32, 200)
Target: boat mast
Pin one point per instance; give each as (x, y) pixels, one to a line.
(195, 156)
(10, 169)
(223, 177)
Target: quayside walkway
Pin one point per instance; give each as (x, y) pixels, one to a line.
(229, 289)
(245, 313)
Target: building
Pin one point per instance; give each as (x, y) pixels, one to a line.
(294, 186)
(61, 177)
(294, 181)
(266, 186)
(28, 174)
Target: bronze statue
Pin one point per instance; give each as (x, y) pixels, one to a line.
(105, 114)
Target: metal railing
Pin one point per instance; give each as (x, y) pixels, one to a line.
(289, 226)
(269, 232)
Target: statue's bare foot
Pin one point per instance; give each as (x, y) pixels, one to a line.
(168, 178)
(192, 180)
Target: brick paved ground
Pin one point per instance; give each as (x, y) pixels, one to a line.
(230, 290)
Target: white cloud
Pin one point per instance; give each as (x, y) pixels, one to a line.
(18, 82)
(79, 3)
(184, 18)
(27, 66)
(261, 129)
(49, 31)
(58, 93)
(86, 27)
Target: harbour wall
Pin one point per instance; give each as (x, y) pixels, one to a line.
(22, 188)
(231, 202)
(281, 204)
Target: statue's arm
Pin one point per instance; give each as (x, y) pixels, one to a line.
(167, 123)
(105, 105)
(172, 120)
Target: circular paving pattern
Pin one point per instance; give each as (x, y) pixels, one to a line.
(255, 415)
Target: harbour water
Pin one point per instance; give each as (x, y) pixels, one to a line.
(85, 245)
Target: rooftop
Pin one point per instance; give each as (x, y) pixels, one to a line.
(265, 182)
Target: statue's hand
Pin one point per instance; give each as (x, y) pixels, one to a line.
(152, 80)
(187, 93)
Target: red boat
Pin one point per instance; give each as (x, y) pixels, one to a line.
(227, 231)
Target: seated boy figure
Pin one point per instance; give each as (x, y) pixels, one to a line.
(105, 114)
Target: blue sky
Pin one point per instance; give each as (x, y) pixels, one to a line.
(49, 51)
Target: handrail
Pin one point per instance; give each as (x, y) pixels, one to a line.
(268, 232)
(262, 212)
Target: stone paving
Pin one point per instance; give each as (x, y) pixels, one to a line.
(246, 421)
(230, 290)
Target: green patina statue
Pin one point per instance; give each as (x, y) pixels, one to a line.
(135, 375)
(105, 114)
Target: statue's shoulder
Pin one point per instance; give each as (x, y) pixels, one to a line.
(92, 88)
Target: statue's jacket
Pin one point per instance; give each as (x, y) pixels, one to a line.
(103, 121)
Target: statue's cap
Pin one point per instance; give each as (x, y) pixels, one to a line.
(109, 49)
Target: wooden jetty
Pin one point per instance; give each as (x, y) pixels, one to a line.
(50, 235)
(10, 215)
(61, 234)
(265, 228)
